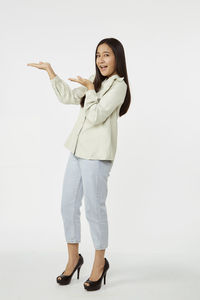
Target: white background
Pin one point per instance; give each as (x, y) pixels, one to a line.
(154, 196)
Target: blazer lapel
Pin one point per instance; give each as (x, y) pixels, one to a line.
(109, 81)
(106, 83)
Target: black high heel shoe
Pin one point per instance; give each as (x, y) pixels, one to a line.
(96, 285)
(65, 279)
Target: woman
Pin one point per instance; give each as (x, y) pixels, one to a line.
(102, 97)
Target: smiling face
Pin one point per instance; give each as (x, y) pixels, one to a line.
(105, 60)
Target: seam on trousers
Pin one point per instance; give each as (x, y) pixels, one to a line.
(100, 198)
(97, 196)
(75, 205)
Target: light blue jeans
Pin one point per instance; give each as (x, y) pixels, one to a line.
(88, 178)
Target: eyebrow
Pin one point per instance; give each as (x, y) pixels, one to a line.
(104, 51)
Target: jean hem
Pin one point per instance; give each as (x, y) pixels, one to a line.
(73, 242)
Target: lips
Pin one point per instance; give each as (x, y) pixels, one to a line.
(103, 67)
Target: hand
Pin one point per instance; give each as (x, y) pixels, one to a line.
(42, 65)
(87, 83)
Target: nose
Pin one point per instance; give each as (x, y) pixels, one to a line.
(100, 60)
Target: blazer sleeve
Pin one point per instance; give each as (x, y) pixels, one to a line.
(97, 112)
(65, 94)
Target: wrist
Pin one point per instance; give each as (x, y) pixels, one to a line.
(50, 72)
(91, 87)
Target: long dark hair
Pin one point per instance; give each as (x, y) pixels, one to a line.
(118, 50)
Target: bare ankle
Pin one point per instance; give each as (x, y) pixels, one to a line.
(73, 257)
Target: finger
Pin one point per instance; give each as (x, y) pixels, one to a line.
(73, 79)
(32, 64)
(79, 77)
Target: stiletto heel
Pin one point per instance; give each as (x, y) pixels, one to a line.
(96, 285)
(66, 279)
(78, 271)
(105, 278)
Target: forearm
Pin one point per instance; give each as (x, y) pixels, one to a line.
(98, 111)
(50, 72)
(65, 94)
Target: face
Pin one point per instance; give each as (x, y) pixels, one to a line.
(105, 60)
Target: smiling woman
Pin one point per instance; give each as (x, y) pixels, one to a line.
(103, 98)
(105, 60)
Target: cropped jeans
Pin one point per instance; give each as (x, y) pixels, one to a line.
(88, 178)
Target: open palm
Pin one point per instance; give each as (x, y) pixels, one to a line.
(42, 65)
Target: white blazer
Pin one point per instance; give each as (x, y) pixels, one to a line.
(94, 135)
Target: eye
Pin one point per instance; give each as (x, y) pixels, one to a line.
(97, 55)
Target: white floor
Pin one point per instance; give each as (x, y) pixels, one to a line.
(33, 276)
